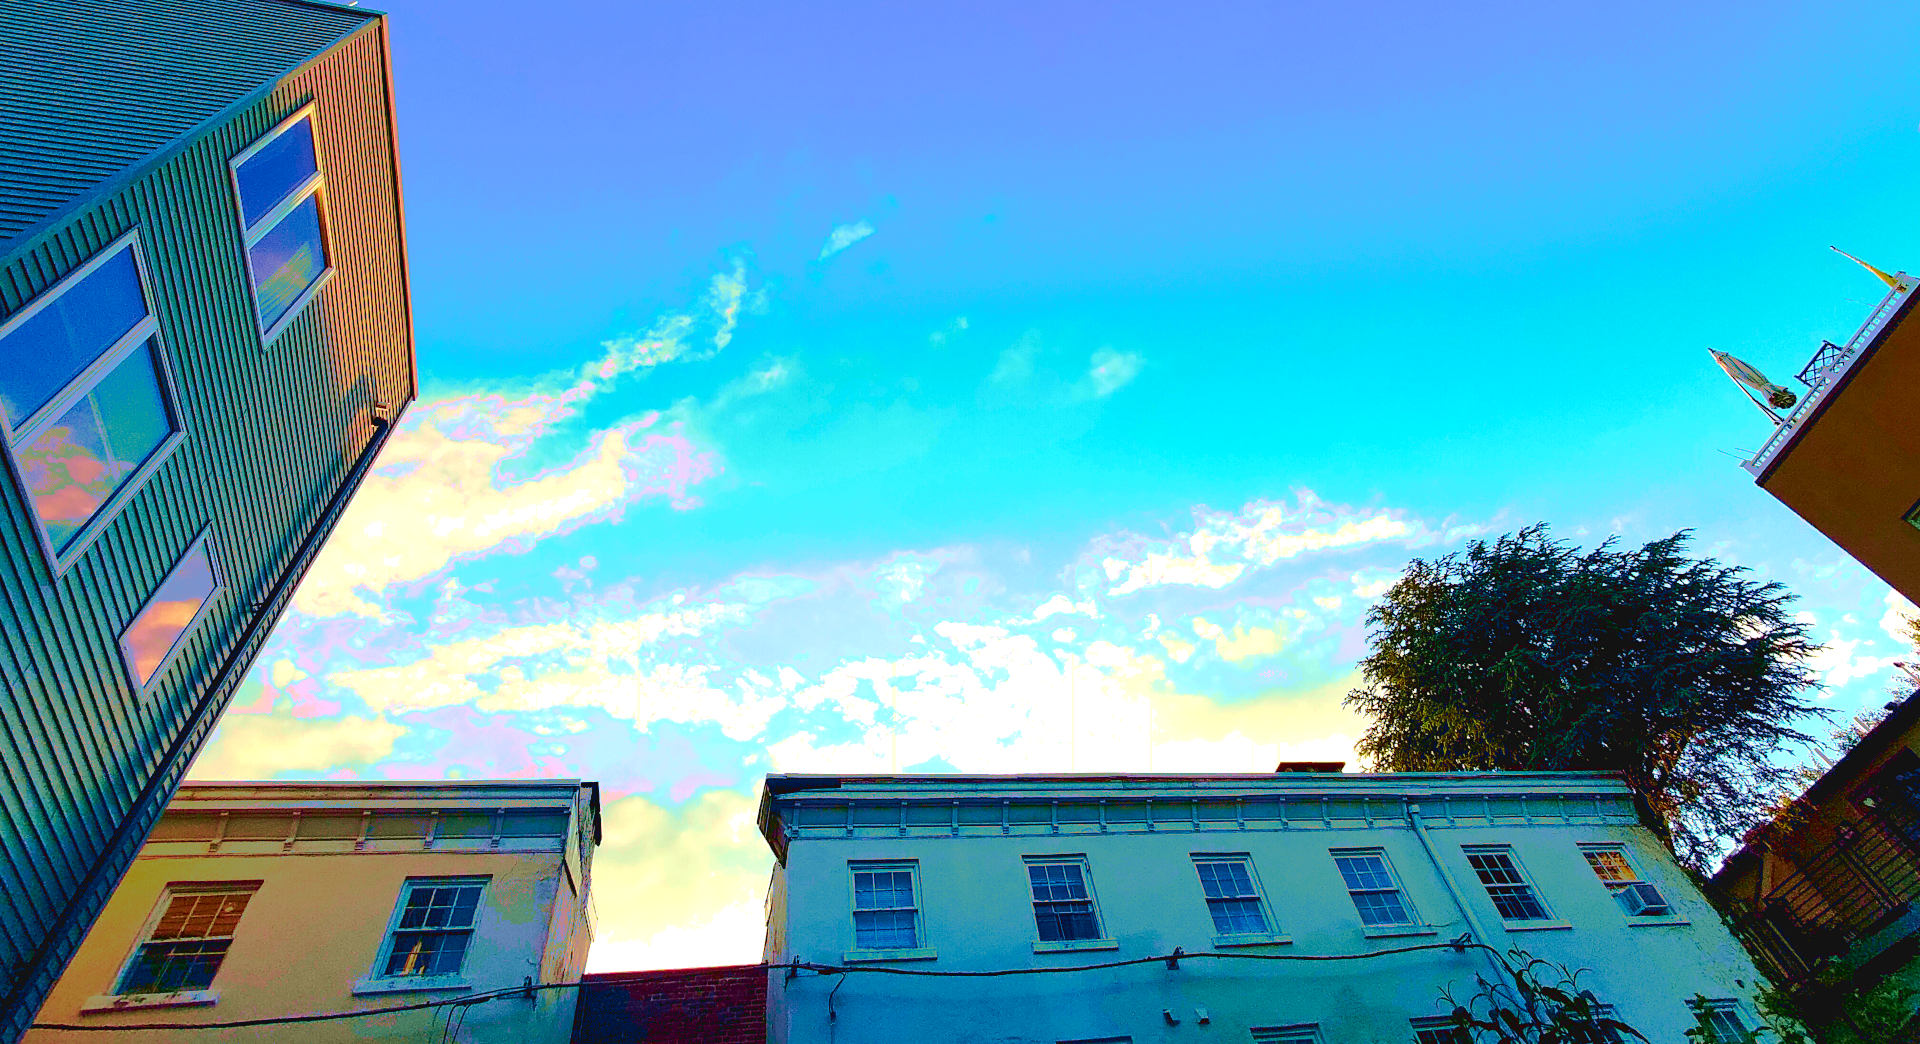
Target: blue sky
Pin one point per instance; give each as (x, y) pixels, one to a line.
(1012, 386)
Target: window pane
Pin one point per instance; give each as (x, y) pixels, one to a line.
(268, 176)
(172, 967)
(1609, 865)
(132, 409)
(68, 473)
(1237, 916)
(883, 929)
(1364, 871)
(287, 260)
(49, 350)
(426, 953)
(169, 613)
(1379, 909)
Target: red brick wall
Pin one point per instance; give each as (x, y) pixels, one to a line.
(683, 1006)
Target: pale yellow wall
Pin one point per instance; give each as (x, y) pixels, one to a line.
(315, 926)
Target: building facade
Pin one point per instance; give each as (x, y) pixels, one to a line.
(1293, 908)
(265, 901)
(1846, 457)
(1838, 877)
(204, 339)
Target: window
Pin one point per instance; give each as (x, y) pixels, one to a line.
(156, 631)
(1062, 904)
(1375, 892)
(432, 926)
(1595, 1032)
(283, 220)
(85, 397)
(1232, 897)
(1912, 517)
(186, 940)
(1305, 1033)
(1721, 1019)
(1636, 897)
(1440, 1030)
(1506, 886)
(886, 915)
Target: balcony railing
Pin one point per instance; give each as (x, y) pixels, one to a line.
(1842, 900)
(1822, 374)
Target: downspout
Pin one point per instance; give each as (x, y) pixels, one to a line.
(1480, 933)
(197, 721)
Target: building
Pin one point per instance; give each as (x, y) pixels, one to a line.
(1846, 457)
(257, 901)
(1291, 908)
(204, 340)
(1839, 875)
(726, 1005)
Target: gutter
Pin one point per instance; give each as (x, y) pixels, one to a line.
(199, 721)
(1480, 933)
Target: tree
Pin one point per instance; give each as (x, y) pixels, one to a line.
(1542, 1004)
(1682, 674)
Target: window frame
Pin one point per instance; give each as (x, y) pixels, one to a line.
(1442, 1028)
(1399, 889)
(1525, 882)
(1272, 930)
(378, 981)
(113, 997)
(315, 187)
(1706, 1007)
(1100, 940)
(921, 948)
(82, 384)
(203, 540)
(1292, 1033)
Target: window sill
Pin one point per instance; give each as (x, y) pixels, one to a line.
(1659, 922)
(1070, 945)
(1537, 926)
(1398, 931)
(923, 953)
(1252, 939)
(415, 984)
(132, 1001)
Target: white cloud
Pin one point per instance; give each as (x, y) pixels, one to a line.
(1898, 617)
(261, 746)
(1839, 661)
(681, 887)
(1111, 371)
(844, 236)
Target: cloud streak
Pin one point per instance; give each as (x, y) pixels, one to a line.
(844, 236)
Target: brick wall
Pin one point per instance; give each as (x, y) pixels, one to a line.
(725, 1005)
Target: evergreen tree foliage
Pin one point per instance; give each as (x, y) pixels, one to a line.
(1682, 674)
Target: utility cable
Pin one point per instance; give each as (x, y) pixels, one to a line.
(1460, 945)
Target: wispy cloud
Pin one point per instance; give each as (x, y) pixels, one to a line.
(1110, 371)
(844, 236)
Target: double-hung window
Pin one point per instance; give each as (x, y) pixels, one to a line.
(1721, 1021)
(283, 220)
(886, 910)
(1233, 898)
(1063, 908)
(160, 626)
(1370, 881)
(1301, 1033)
(86, 400)
(186, 940)
(1636, 897)
(1508, 888)
(432, 928)
(1440, 1030)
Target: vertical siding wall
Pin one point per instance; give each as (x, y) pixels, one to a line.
(271, 434)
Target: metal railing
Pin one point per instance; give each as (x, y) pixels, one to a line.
(1828, 364)
(1841, 896)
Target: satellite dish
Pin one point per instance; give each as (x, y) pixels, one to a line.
(1752, 381)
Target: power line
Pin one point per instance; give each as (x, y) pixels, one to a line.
(527, 990)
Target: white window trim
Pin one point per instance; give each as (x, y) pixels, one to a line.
(923, 950)
(112, 1001)
(1673, 916)
(376, 981)
(58, 562)
(1748, 1023)
(1296, 1033)
(1436, 1022)
(1272, 936)
(315, 186)
(205, 539)
(1413, 926)
(1101, 941)
(1545, 923)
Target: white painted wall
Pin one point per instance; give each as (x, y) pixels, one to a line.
(977, 914)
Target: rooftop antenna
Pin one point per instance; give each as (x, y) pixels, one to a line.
(1891, 281)
(1751, 380)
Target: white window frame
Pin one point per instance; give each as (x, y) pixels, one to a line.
(1615, 887)
(1525, 881)
(1259, 896)
(921, 949)
(1449, 1031)
(58, 562)
(1298, 1033)
(1100, 941)
(113, 998)
(316, 187)
(377, 981)
(1710, 1006)
(205, 539)
(1413, 922)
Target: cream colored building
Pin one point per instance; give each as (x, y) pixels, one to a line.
(263, 901)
